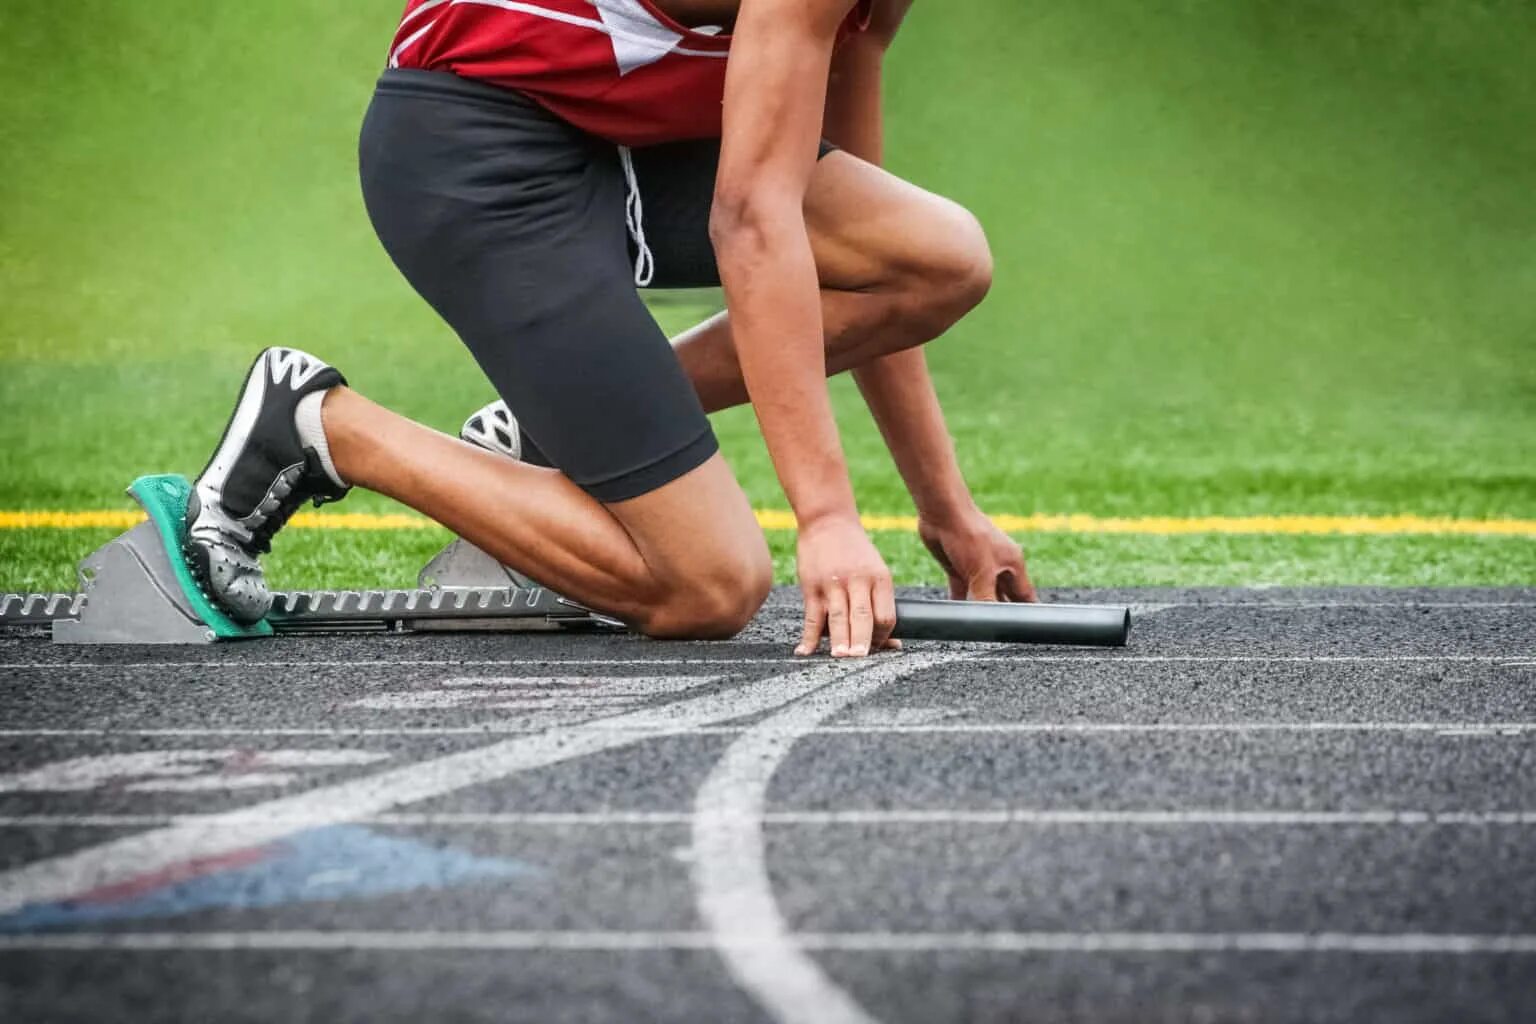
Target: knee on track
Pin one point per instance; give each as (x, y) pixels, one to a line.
(713, 602)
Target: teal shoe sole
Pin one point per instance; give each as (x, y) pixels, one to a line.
(164, 498)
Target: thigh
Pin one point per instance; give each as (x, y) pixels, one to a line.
(511, 225)
(699, 529)
(676, 185)
(868, 226)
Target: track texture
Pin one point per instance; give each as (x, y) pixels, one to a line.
(1275, 805)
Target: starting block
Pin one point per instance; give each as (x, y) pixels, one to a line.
(137, 589)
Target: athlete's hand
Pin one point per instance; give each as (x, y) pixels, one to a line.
(982, 562)
(847, 589)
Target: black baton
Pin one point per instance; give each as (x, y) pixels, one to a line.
(1092, 625)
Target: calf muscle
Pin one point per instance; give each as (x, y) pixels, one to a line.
(686, 560)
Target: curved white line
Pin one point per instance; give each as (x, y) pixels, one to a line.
(730, 873)
(119, 860)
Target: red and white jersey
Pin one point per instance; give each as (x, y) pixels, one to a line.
(619, 69)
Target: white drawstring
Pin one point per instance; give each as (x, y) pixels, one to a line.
(634, 219)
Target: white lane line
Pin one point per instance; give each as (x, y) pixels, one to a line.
(1477, 732)
(1440, 728)
(730, 872)
(1409, 943)
(1290, 606)
(1459, 730)
(232, 664)
(620, 819)
(1360, 943)
(1269, 659)
(562, 694)
(393, 941)
(1157, 818)
(1017, 655)
(121, 860)
(1446, 729)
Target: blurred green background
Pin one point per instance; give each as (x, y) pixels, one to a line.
(1251, 258)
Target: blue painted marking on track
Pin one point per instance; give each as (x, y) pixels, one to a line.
(334, 863)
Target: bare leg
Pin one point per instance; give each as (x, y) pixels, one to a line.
(686, 559)
(898, 267)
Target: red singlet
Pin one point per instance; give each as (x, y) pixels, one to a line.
(620, 69)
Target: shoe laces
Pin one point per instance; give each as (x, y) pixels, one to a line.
(274, 511)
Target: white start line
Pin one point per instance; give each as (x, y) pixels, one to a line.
(920, 818)
(182, 771)
(1352, 943)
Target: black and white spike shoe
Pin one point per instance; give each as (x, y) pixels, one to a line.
(495, 429)
(260, 474)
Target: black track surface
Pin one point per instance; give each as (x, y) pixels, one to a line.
(1275, 805)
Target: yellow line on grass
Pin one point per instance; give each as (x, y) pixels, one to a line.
(777, 519)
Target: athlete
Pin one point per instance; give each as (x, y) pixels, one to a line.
(527, 165)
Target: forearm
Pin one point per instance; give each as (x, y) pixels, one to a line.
(897, 388)
(768, 271)
(775, 88)
(775, 98)
(900, 396)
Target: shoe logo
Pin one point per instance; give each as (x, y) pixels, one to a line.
(299, 367)
(495, 429)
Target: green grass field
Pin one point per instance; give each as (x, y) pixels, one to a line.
(1252, 259)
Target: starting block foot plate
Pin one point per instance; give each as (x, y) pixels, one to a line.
(461, 565)
(138, 589)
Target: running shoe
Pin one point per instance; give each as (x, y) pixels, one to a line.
(262, 471)
(495, 429)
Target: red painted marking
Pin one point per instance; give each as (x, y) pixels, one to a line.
(244, 761)
(194, 868)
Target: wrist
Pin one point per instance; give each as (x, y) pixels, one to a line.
(826, 513)
(817, 486)
(948, 509)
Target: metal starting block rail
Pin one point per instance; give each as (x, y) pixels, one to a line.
(132, 593)
(129, 595)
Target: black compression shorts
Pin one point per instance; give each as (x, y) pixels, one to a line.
(512, 225)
